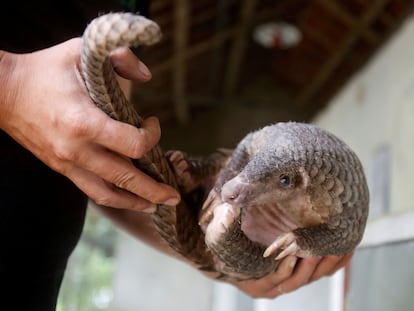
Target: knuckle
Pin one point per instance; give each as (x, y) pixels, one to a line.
(148, 136)
(57, 164)
(79, 128)
(123, 180)
(139, 146)
(63, 152)
(156, 132)
(78, 125)
(103, 200)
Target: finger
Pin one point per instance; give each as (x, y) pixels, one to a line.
(301, 276)
(128, 140)
(329, 265)
(127, 65)
(123, 174)
(283, 272)
(343, 262)
(104, 194)
(266, 286)
(325, 267)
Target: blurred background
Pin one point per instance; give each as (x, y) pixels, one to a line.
(227, 67)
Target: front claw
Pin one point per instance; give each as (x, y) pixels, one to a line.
(181, 168)
(286, 244)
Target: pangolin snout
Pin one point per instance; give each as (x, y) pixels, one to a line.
(234, 191)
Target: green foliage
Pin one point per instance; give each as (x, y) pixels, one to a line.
(87, 284)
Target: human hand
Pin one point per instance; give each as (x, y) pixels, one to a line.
(292, 273)
(46, 108)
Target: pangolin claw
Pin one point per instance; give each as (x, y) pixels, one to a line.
(286, 244)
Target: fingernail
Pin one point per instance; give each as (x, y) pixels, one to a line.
(144, 70)
(172, 201)
(151, 209)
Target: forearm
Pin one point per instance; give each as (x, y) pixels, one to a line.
(140, 226)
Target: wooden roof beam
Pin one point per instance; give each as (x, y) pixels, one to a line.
(196, 49)
(343, 48)
(238, 48)
(181, 33)
(220, 38)
(350, 20)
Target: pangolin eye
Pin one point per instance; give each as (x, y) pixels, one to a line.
(284, 180)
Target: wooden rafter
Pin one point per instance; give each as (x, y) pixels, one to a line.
(238, 48)
(334, 61)
(196, 49)
(220, 38)
(322, 54)
(348, 19)
(181, 16)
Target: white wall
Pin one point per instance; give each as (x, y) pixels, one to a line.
(376, 109)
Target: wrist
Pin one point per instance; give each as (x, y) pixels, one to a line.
(8, 85)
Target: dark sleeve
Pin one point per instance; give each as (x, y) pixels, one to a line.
(28, 25)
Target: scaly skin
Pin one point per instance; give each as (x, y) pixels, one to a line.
(288, 189)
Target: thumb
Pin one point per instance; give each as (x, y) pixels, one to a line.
(128, 65)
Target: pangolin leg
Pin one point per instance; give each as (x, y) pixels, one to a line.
(181, 167)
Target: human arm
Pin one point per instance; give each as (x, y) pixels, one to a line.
(293, 273)
(45, 107)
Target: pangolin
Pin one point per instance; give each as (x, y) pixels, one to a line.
(286, 189)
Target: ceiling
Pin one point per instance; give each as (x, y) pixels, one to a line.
(208, 58)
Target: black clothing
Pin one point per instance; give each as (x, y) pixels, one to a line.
(41, 219)
(27, 26)
(41, 212)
